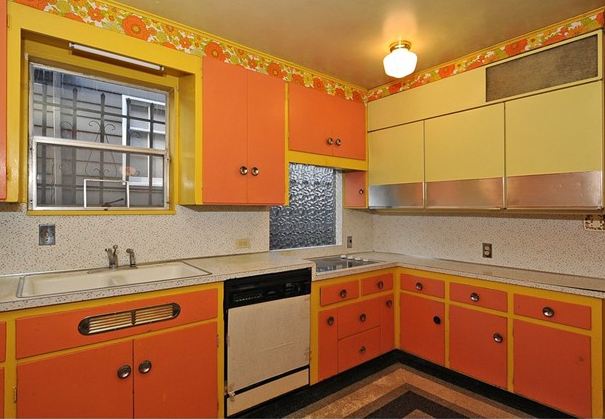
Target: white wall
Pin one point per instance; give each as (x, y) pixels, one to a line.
(539, 243)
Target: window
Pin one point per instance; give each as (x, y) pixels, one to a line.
(312, 218)
(96, 144)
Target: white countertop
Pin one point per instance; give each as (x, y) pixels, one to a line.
(222, 268)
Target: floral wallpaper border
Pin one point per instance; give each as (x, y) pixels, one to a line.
(550, 35)
(111, 16)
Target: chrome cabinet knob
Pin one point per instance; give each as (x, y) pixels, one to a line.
(330, 141)
(362, 350)
(548, 312)
(419, 286)
(124, 372)
(255, 171)
(338, 142)
(498, 338)
(380, 285)
(474, 297)
(145, 367)
(363, 317)
(343, 293)
(243, 170)
(389, 303)
(361, 192)
(330, 321)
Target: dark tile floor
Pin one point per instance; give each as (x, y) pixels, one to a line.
(296, 400)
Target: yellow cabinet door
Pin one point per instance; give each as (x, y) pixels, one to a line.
(554, 149)
(464, 159)
(396, 167)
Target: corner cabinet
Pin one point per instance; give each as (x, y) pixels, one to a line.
(355, 189)
(323, 124)
(243, 136)
(3, 107)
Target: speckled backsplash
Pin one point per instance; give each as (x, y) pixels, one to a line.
(192, 232)
(545, 244)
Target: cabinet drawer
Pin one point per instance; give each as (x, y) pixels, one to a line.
(358, 349)
(479, 296)
(377, 283)
(355, 318)
(553, 311)
(52, 332)
(421, 285)
(336, 293)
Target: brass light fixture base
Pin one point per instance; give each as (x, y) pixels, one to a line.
(400, 44)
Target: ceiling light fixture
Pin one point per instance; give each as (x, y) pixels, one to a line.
(83, 49)
(400, 61)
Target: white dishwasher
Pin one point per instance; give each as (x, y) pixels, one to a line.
(267, 323)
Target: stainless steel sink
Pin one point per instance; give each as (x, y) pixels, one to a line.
(37, 285)
(336, 262)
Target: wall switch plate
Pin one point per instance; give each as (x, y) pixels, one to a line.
(594, 222)
(46, 234)
(487, 250)
(242, 244)
(349, 242)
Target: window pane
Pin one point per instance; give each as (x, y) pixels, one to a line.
(61, 172)
(310, 219)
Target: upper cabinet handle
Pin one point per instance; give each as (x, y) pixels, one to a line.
(243, 170)
(255, 171)
(338, 142)
(361, 192)
(330, 141)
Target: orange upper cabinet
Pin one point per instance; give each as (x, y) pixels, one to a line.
(355, 189)
(243, 153)
(3, 100)
(324, 124)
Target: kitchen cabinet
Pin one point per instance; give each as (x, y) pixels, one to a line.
(243, 158)
(464, 158)
(396, 166)
(354, 189)
(323, 124)
(422, 323)
(327, 344)
(3, 107)
(478, 345)
(554, 149)
(387, 323)
(170, 375)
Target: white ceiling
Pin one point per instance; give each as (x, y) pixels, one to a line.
(347, 39)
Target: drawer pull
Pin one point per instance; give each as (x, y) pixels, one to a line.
(124, 372)
(343, 293)
(362, 350)
(548, 312)
(145, 366)
(363, 317)
(437, 320)
(330, 321)
(498, 338)
(389, 303)
(380, 285)
(474, 297)
(419, 286)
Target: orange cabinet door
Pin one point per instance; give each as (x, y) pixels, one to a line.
(355, 189)
(310, 120)
(349, 128)
(553, 367)
(387, 324)
(224, 130)
(3, 108)
(478, 343)
(2, 392)
(266, 139)
(327, 331)
(83, 384)
(175, 374)
(422, 324)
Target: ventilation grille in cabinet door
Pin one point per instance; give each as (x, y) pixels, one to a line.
(567, 63)
(125, 319)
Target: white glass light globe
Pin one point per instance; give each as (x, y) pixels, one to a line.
(400, 62)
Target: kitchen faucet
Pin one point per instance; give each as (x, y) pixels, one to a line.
(112, 255)
(133, 261)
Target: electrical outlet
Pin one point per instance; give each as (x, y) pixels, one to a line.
(349, 242)
(594, 222)
(242, 244)
(46, 234)
(487, 250)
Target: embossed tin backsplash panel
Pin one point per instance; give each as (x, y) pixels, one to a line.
(310, 219)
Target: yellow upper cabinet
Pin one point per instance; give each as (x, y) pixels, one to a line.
(556, 132)
(452, 94)
(396, 155)
(465, 145)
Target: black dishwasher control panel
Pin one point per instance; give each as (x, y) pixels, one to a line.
(257, 289)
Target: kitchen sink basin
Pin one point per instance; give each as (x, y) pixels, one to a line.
(37, 285)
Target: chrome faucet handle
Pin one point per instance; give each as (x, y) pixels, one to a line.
(133, 261)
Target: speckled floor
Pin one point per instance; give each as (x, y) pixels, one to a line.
(398, 385)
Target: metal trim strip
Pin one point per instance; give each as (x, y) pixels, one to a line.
(400, 195)
(487, 193)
